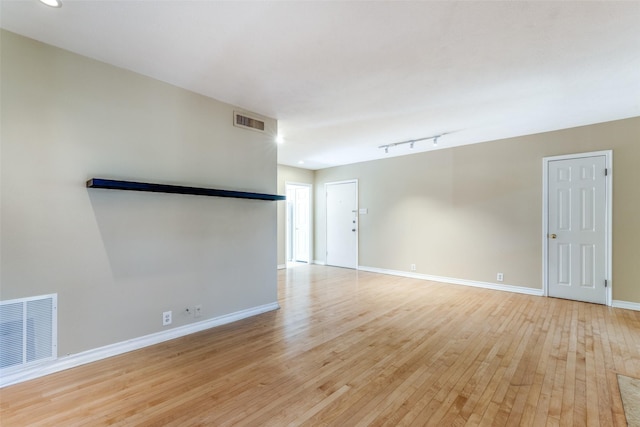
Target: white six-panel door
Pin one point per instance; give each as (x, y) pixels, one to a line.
(577, 229)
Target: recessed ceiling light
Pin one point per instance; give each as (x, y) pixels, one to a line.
(52, 3)
(301, 162)
(279, 139)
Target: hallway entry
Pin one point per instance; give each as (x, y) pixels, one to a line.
(298, 222)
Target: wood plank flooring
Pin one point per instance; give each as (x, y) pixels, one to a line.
(352, 348)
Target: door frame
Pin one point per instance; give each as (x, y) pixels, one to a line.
(608, 154)
(357, 216)
(309, 219)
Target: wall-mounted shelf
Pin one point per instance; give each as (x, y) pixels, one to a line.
(113, 184)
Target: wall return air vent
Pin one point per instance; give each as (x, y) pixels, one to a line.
(242, 120)
(28, 331)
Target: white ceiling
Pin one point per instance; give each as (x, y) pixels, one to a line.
(343, 77)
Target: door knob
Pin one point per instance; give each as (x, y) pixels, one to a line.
(553, 236)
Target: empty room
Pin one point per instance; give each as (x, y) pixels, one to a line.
(319, 213)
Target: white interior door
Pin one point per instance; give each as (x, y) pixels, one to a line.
(291, 195)
(298, 222)
(577, 229)
(301, 229)
(342, 227)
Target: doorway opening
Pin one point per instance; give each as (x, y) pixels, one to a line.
(298, 230)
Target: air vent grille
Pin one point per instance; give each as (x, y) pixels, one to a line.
(246, 122)
(27, 330)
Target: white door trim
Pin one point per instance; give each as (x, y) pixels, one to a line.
(347, 181)
(311, 228)
(608, 154)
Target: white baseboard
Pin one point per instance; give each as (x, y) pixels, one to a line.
(93, 355)
(318, 262)
(282, 266)
(464, 282)
(626, 304)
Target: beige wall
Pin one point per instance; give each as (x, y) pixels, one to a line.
(119, 259)
(288, 174)
(472, 211)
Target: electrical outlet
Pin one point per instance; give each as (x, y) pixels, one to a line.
(197, 311)
(500, 277)
(166, 318)
(413, 267)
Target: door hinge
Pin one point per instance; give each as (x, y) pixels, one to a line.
(606, 171)
(605, 283)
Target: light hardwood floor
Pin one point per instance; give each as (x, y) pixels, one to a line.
(352, 348)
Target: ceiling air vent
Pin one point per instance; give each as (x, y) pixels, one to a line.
(241, 120)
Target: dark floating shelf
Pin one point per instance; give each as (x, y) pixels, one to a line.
(113, 184)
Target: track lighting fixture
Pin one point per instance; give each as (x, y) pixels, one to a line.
(411, 142)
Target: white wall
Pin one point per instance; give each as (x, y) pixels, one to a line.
(119, 259)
